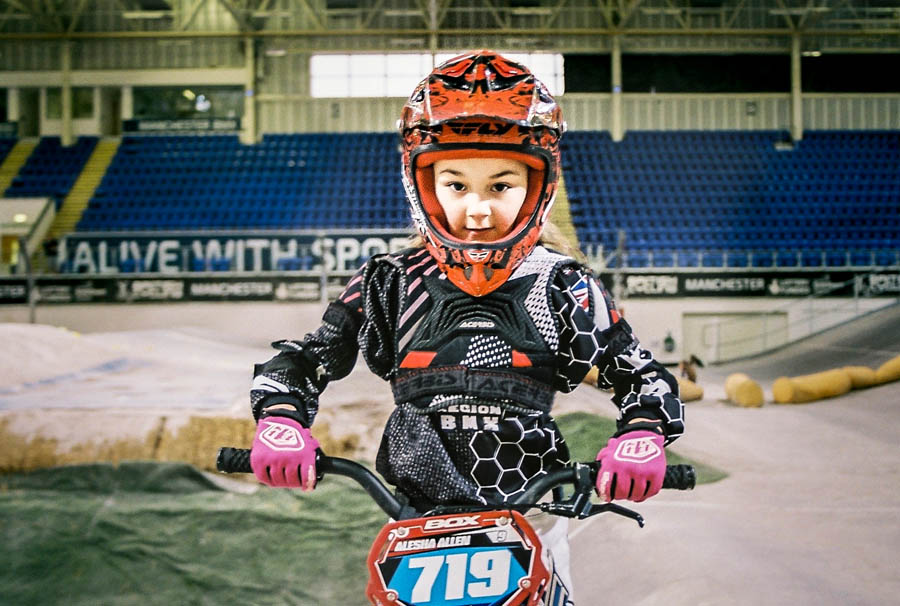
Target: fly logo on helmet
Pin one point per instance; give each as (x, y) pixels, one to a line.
(481, 128)
(480, 105)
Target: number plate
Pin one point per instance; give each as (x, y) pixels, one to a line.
(486, 558)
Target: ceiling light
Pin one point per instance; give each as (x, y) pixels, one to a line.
(649, 10)
(797, 12)
(146, 14)
(531, 10)
(401, 12)
(408, 42)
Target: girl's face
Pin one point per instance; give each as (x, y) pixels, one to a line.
(481, 197)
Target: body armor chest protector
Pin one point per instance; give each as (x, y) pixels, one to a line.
(499, 348)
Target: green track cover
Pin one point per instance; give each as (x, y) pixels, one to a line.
(151, 533)
(166, 533)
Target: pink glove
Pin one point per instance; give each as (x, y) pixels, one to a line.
(632, 466)
(284, 454)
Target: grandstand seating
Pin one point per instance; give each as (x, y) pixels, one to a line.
(702, 199)
(732, 198)
(51, 169)
(6, 145)
(284, 182)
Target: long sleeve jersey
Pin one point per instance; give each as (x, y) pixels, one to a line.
(473, 377)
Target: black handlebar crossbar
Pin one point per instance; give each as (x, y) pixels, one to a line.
(237, 460)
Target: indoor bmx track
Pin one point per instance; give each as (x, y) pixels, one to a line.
(809, 513)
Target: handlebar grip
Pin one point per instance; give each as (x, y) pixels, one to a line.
(233, 460)
(237, 460)
(680, 477)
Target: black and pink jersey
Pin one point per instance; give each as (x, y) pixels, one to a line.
(473, 377)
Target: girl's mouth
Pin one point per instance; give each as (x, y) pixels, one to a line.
(478, 233)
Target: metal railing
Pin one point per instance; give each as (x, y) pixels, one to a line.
(757, 333)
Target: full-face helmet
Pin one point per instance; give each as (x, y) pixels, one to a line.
(480, 104)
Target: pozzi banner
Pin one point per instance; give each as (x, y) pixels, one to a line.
(172, 253)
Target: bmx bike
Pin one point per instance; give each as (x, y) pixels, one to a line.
(469, 555)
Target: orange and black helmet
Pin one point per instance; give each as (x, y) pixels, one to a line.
(480, 105)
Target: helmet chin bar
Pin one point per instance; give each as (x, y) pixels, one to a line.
(479, 278)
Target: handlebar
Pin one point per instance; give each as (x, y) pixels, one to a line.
(237, 460)
(582, 476)
(678, 477)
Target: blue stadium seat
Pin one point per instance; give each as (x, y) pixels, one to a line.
(787, 259)
(206, 182)
(688, 258)
(713, 258)
(830, 191)
(51, 169)
(220, 264)
(663, 258)
(813, 258)
(835, 258)
(861, 258)
(637, 258)
(762, 259)
(675, 193)
(886, 258)
(737, 259)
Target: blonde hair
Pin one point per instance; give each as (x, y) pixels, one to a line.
(553, 237)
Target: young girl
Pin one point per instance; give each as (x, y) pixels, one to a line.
(478, 325)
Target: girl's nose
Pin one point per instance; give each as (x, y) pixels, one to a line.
(476, 207)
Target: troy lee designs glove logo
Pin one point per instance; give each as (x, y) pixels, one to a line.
(637, 450)
(282, 437)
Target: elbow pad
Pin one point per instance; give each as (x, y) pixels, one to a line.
(292, 377)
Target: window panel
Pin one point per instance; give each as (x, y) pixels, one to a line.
(54, 103)
(396, 75)
(330, 87)
(82, 102)
(368, 86)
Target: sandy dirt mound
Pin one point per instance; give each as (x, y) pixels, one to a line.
(167, 394)
(33, 353)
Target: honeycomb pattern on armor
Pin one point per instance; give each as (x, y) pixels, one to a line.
(505, 460)
(579, 343)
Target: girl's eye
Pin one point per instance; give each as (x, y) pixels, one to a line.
(500, 187)
(456, 186)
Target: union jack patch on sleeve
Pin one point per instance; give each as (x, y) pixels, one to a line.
(581, 292)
